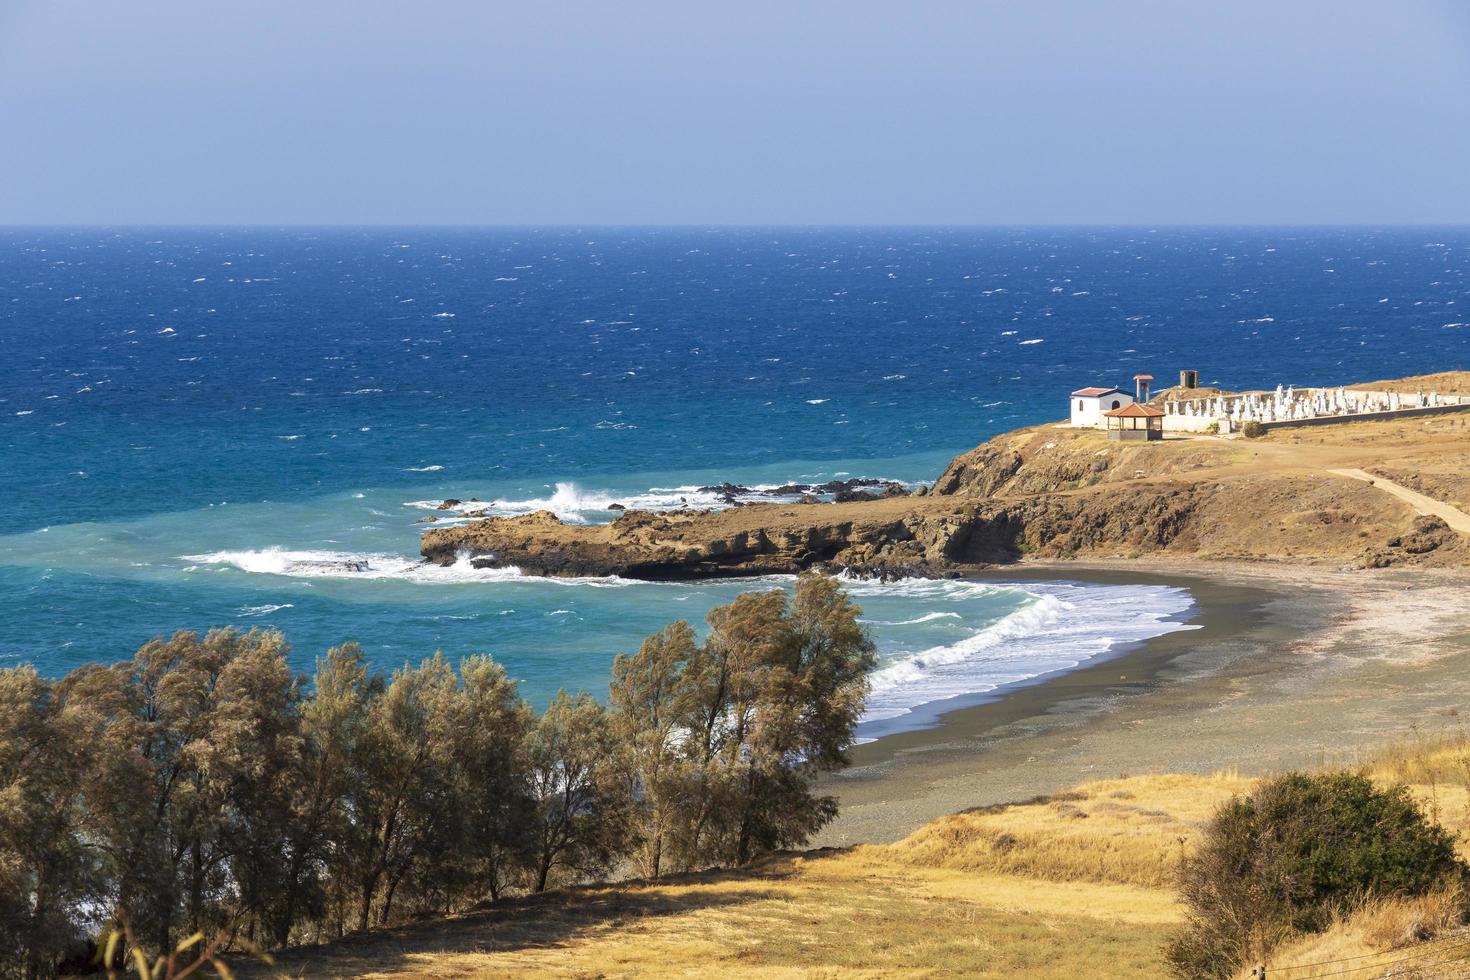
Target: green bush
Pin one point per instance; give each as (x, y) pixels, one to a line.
(1298, 851)
(1253, 429)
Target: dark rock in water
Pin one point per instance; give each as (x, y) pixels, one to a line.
(726, 490)
(850, 496)
(616, 507)
(836, 486)
(788, 490)
(482, 512)
(426, 519)
(894, 490)
(449, 504)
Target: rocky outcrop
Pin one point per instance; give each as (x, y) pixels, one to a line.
(1299, 518)
(1048, 492)
(755, 540)
(1429, 534)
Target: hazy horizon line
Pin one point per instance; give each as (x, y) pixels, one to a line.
(712, 226)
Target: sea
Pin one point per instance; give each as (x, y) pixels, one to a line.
(205, 427)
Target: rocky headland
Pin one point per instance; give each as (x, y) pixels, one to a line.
(1046, 492)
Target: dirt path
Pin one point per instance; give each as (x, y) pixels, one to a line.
(1452, 516)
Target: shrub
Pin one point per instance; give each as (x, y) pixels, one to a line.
(1297, 852)
(1253, 429)
(1213, 428)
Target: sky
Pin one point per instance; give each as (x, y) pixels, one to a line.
(756, 112)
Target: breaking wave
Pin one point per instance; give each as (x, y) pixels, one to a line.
(577, 506)
(265, 610)
(1060, 626)
(370, 567)
(938, 639)
(926, 618)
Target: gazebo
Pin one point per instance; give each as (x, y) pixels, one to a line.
(1134, 422)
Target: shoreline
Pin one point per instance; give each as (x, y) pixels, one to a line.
(1291, 666)
(928, 716)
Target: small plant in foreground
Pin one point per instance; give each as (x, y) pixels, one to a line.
(1298, 852)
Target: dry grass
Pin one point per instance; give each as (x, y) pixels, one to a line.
(832, 914)
(1386, 937)
(1076, 885)
(1406, 938)
(1130, 831)
(1437, 772)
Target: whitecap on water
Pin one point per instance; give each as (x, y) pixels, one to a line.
(265, 610)
(574, 505)
(1058, 627)
(372, 567)
(928, 617)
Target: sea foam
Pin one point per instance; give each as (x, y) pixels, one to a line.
(370, 567)
(1059, 627)
(575, 505)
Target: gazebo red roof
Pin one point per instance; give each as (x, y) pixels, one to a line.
(1135, 411)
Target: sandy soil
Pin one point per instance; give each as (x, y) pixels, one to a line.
(1292, 667)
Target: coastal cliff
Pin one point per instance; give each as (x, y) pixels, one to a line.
(1046, 491)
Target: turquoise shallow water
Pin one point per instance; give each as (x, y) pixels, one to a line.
(201, 427)
(341, 567)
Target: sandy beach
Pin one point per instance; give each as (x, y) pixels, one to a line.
(1290, 667)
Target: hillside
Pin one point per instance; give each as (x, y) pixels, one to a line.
(1052, 491)
(1078, 884)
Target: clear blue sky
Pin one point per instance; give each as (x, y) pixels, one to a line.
(824, 112)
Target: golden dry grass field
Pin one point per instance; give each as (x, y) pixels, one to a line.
(1077, 885)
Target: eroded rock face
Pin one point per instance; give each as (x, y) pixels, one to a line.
(1429, 534)
(1043, 492)
(755, 540)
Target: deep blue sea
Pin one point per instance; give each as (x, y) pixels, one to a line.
(197, 426)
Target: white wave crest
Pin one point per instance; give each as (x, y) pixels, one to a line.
(575, 505)
(374, 567)
(265, 610)
(1061, 626)
(928, 617)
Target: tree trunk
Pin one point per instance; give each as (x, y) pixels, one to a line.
(388, 899)
(196, 886)
(369, 888)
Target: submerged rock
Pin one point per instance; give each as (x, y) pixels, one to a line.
(727, 490)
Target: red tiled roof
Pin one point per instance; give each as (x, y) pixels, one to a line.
(1135, 411)
(1143, 377)
(1097, 392)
